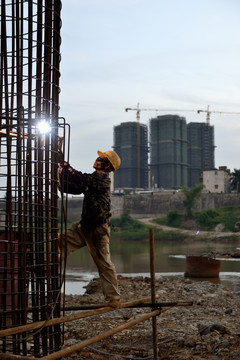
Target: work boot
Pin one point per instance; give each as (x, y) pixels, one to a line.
(114, 303)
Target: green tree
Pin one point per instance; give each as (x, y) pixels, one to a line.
(191, 196)
(235, 180)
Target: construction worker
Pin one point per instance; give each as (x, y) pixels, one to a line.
(93, 230)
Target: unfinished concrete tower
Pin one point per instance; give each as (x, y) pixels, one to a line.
(30, 278)
(168, 152)
(125, 144)
(201, 151)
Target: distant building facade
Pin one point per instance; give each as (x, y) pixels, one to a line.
(201, 151)
(217, 181)
(168, 152)
(126, 146)
(179, 153)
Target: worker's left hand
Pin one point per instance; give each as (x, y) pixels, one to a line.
(60, 154)
(60, 157)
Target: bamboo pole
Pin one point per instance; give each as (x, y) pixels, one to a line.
(8, 356)
(63, 319)
(145, 304)
(153, 292)
(77, 347)
(74, 348)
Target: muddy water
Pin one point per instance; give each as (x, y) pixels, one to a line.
(132, 258)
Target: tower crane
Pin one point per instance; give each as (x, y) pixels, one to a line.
(217, 112)
(138, 110)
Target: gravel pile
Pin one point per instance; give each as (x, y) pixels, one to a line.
(209, 329)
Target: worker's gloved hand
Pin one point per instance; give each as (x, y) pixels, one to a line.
(60, 154)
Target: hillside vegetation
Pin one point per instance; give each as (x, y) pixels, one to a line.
(125, 227)
(224, 219)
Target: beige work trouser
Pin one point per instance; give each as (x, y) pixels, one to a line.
(97, 242)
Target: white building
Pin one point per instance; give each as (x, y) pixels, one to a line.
(217, 181)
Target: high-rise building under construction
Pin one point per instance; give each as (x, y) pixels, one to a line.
(168, 152)
(179, 153)
(131, 144)
(201, 151)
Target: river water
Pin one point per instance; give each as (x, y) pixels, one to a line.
(131, 258)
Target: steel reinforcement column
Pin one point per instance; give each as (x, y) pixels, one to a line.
(30, 279)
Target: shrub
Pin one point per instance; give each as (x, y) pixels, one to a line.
(126, 221)
(207, 219)
(126, 227)
(160, 221)
(227, 216)
(174, 218)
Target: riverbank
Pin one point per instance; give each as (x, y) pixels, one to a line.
(209, 329)
(194, 231)
(128, 227)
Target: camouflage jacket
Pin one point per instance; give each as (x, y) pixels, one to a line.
(96, 190)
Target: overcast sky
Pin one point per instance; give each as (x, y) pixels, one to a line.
(162, 54)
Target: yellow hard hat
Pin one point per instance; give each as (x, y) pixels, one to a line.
(112, 157)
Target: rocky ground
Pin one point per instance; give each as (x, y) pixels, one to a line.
(209, 329)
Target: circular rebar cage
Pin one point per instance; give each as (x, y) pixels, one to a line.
(30, 279)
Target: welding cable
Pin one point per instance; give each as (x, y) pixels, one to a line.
(124, 357)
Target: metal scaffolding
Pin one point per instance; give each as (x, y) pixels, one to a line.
(30, 275)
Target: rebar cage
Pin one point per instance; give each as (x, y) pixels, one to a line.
(30, 274)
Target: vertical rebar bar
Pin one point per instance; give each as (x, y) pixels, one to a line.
(153, 292)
